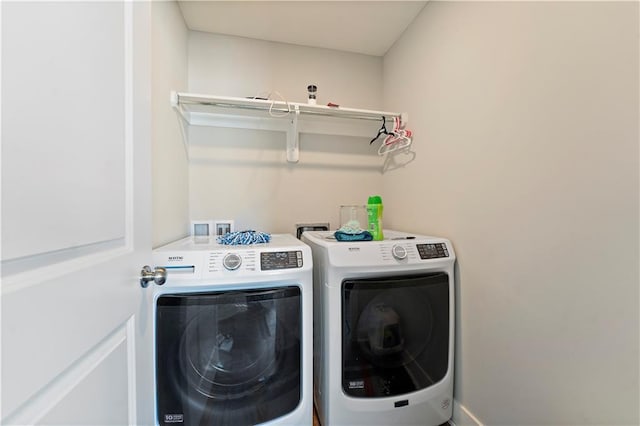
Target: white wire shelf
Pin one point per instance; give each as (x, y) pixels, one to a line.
(248, 113)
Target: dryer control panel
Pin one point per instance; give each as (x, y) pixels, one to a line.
(398, 249)
(432, 251)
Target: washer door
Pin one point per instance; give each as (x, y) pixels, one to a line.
(228, 357)
(395, 334)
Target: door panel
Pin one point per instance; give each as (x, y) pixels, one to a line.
(75, 213)
(63, 76)
(100, 375)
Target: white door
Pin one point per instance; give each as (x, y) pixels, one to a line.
(75, 213)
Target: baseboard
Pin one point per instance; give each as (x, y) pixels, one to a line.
(463, 417)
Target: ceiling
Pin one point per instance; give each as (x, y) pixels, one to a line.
(368, 27)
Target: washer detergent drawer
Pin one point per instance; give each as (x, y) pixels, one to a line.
(229, 357)
(395, 334)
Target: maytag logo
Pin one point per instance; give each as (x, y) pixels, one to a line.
(175, 258)
(354, 248)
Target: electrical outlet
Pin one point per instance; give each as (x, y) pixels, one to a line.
(223, 226)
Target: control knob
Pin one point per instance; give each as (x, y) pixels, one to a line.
(231, 261)
(399, 252)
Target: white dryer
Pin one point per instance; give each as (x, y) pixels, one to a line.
(233, 327)
(384, 329)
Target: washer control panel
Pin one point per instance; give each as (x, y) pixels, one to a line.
(231, 261)
(238, 262)
(274, 260)
(432, 251)
(196, 258)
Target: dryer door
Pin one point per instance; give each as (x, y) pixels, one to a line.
(395, 334)
(228, 357)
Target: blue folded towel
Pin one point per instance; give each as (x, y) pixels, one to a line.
(358, 236)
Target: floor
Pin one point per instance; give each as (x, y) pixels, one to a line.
(316, 422)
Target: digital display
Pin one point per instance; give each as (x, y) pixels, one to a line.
(280, 260)
(432, 251)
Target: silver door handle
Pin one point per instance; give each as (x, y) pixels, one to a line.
(159, 276)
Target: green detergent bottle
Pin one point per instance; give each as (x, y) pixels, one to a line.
(374, 216)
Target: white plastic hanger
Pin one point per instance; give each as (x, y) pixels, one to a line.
(398, 139)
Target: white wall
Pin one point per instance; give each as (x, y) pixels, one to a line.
(243, 174)
(526, 124)
(170, 167)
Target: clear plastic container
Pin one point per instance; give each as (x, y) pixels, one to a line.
(353, 217)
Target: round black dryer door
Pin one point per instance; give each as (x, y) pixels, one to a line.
(228, 358)
(395, 334)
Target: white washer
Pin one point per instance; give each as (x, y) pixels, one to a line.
(233, 327)
(384, 329)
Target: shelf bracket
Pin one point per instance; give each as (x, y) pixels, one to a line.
(293, 138)
(183, 121)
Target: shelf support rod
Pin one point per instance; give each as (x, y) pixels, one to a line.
(293, 138)
(183, 121)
